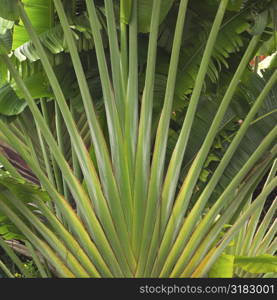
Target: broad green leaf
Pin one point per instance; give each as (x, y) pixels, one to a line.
(5, 25)
(37, 84)
(11, 99)
(145, 12)
(53, 40)
(9, 9)
(235, 5)
(23, 189)
(260, 24)
(41, 14)
(10, 104)
(223, 267)
(269, 46)
(258, 264)
(7, 39)
(8, 230)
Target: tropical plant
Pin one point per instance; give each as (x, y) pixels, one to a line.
(127, 144)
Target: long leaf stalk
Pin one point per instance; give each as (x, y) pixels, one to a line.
(67, 237)
(14, 167)
(48, 167)
(157, 166)
(236, 228)
(85, 162)
(270, 235)
(112, 193)
(56, 171)
(8, 166)
(6, 270)
(198, 162)
(28, 140)
(225, 217)
(37, 261)
(69, 259)
(255, 245)
(75, 162)
(38, 243)
(54, 174)
(126, 7)
(173, 171)
(61, 184)
(76, 189)
(273, 247)
(206, 222)
(254, 220)
(120, 161)
(174, 167)
(124, 55)
(46, 159)
(14, 258)
(115, 61)
(58, 92)
(131, 114)
(54, 241)
(142, 164)
(70, 215)
(61, 144)
(203, 198)
(247, 201)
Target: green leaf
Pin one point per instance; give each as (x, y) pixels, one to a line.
(25, 191)
(38, 86)
(5, 25)
(223, 267)
(12, 100)
(145, 12)
(10, 104)
(235, 5)
(41, 15)
(53, 40)
(258, 264)
(9, 9)
(7, 39)
(260, 23)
